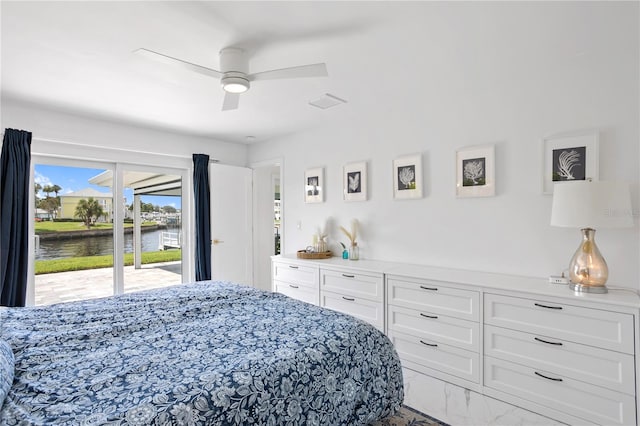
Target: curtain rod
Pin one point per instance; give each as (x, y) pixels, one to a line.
(39, 139)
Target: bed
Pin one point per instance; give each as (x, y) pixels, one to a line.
(200, 353)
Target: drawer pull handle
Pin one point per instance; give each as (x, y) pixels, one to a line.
(547, 342)
(548, 307)
(293, 267)
(349, 299)
(433, 345)
(348, 276)
(429, 316)
(428, 288)
(555, 379)
(293, 286)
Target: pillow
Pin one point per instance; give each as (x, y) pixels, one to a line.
(6, 369)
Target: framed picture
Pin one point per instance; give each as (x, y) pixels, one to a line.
(314, 185)
(475, 171)
(355, 181)
(407, 177)
(569, 158)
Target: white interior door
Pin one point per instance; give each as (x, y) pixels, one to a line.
(231, 223)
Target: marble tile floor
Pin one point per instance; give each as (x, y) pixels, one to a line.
(92, 283)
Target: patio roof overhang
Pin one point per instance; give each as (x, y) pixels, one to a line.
(143, 183)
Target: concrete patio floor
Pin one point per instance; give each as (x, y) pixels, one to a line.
(92, 283)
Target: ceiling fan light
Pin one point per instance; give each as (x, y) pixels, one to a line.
(235, 84)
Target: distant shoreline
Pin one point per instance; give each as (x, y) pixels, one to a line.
(63, 235)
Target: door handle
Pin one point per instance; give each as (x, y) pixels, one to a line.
(217, 241)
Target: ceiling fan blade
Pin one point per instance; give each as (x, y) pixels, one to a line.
(179, 62)
(302, 71)
(231, 101)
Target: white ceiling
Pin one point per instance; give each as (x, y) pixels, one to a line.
(405, 60)
(77, 56)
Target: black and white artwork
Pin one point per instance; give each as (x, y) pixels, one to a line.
(354, 185)
(407, 177)
(570, 157)
(569, 163)
(313, 185)
(474, 172)
(355, 182)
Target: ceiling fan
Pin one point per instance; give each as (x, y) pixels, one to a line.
(234, 72)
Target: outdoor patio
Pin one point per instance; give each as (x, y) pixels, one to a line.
(92, 283)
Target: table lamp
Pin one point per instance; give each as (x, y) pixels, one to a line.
(589, 205)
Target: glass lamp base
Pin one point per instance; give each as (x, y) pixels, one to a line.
(583, 288)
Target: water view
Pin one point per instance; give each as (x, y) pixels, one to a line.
(96, 246)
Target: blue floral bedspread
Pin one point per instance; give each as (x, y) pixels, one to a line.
(209, 353)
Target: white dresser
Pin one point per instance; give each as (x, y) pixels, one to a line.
(520, 340)
(296, 279)
(351, 287)
(435, 327)
(565, 356)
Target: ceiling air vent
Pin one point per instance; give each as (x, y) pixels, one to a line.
(327, 101)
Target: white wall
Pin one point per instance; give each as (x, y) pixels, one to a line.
(503, 73)
(173, 149)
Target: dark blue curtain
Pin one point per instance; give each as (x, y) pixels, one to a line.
(203, 216)
(15, 166)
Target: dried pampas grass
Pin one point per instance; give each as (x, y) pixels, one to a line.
(354, 231)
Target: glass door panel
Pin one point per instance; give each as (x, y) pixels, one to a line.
(152, 229)
(74, 234)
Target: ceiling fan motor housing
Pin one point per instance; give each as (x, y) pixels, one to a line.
(235, 67)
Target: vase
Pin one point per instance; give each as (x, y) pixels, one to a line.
(321, 246)
(354, 252)
(345, 254)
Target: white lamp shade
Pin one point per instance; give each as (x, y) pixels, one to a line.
(586, 204)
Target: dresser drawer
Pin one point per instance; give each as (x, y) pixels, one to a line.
(605, 329)
(610, 369)
(437, 356)
(296, 274)
(354, 284)
(432, 296)
(300, 292)
(365, 309)
(435, 327)
(591, 403)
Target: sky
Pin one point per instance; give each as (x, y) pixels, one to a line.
(72, 179)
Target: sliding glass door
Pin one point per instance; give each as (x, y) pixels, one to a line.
(103, 228)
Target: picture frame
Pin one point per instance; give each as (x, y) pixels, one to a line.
(314, 185)
(569, 157)
(355, 181)
(407, 177)
(475, 171)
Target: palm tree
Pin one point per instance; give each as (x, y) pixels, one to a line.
(88, 211)
(47, 190)
(55, 189)
(36, 188)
